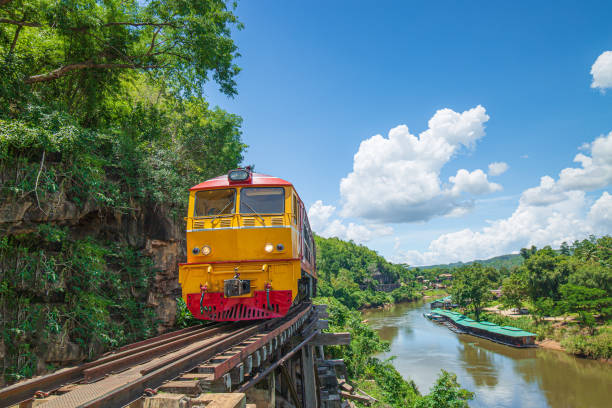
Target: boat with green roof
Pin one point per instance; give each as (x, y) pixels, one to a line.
(508, 335)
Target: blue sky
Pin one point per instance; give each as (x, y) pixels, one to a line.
(318, 78)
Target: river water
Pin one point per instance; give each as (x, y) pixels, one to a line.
(500, 376)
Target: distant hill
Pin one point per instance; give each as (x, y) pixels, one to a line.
(508, 261)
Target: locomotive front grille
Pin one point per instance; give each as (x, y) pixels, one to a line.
(248, 222)
(277, 221)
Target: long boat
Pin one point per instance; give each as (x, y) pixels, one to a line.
(508, 335)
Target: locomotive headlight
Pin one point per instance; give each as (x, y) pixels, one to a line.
(280, 247)
(206, 250)
(195, 250)
(269, 248)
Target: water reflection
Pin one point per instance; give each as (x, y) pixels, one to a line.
(568, 381)
(501, 376)
(479, 364)
(388, 332)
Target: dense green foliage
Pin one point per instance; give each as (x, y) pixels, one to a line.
(54, 286)
(101, 119)
(514, 291)
(446, 393)
(577, 279)
(352, 274)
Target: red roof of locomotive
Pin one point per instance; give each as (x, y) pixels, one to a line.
(257, 179)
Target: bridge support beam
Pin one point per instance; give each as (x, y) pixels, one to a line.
(308, 378)
(263, 394)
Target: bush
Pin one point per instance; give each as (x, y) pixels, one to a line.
(446, 393)
(596, 346)
(404, 294)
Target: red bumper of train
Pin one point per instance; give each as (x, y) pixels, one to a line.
(215, 306)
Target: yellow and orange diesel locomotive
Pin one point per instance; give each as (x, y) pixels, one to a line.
(250, 250)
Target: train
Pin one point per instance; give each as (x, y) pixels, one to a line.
(250, 249)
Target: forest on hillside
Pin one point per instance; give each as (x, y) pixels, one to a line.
(351, 273)
(502, 261)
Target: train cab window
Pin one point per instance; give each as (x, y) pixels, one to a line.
(215, 202)
(262, 200)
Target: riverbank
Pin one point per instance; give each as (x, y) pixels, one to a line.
(550, 344)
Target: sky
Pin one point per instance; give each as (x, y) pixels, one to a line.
(433, 132)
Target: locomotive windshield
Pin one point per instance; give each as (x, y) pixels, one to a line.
(262, 200)
(215, 202)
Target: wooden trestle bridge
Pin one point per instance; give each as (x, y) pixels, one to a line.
(254, 364)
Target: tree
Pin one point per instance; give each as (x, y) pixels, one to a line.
(86, 48)
(586, 302)
(527, 252)
(543, 307)
(514, 291)
(565, 249)
(471, 288)
(446, 393)
(545, 272)
(591, 274)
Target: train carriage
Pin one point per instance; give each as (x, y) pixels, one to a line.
(250, 250)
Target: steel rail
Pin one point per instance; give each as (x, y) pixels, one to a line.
(133, 390)
(25, 390)
(170, 335)
(144, 353)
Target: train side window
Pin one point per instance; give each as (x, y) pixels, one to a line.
(295, 210)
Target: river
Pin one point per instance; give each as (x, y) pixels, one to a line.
(500, 376)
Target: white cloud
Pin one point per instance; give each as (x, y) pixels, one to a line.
(497, 168)
(528, 225)
(459, 211)
(397, 179)
(475, 183)
(594, 173)
(397, 243)
(320, 217)
(600, 215)
(553, 212)
(602, 71)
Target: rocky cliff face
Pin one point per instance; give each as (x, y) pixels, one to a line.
(45, 289)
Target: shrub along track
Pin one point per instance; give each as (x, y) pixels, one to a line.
(123, 376)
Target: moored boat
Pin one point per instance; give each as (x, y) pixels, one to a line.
(508, 335)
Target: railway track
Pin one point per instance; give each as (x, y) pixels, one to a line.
(119, 378)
